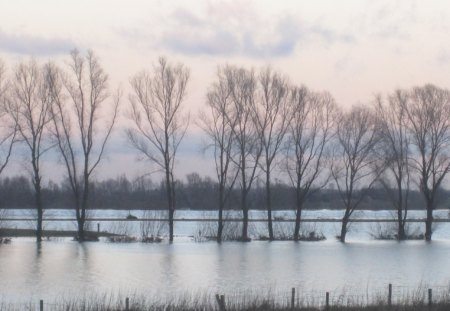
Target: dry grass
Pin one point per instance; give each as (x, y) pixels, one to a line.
(411, 301)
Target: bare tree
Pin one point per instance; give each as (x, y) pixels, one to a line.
(242, 84)
(78, 96)
(159, 122)
(394, 153)
(29, 106)
(219, 129)
(8, 128)
(428, 112)
(310, 131)
(272, 117)
(352, 169)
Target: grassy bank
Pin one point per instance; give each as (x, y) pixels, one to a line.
(416, 300)
(93, 306)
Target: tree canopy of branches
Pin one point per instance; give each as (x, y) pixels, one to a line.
(78, 95)
(29, 106)
(393, 151)
(352, 169)
(428, 114)
(159, 123)
(309, 133)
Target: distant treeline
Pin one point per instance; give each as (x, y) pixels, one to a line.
(197, 193)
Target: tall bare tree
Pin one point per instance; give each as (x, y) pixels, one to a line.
(393, 152)
(29, 106)
(219, 129)
(8, 127)
(428, 112)
(159, 122)
(352, 169)
(272, 117)
(309, 133)
(242, 84)
(78, 96)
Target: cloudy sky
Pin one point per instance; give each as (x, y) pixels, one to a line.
(354, 49)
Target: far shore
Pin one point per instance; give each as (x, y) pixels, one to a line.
(17, 232)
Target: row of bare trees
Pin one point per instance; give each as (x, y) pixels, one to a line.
(72, 109)
(257, 123)
(46, 107)
(402, 142)
(253, 120)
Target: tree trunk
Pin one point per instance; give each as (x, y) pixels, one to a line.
(269, 205)
(77, 208)
(84, 206)
(401, 231)
(429, 222)
(169, 201)
(344, 228)
(220, 223)
(171, 213)
(297, 224)
(298, 215)
(401, 235)
(220, 226)
(245, 216)
(39, 208)
(81, 233)
(38, 201)
(40, 213)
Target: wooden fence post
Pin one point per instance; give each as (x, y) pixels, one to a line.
(390, 295)
(293, 298)
(98, 227)
(430, 297)
(41, 305)
(127, 304)
(221, 301)
(327, 301)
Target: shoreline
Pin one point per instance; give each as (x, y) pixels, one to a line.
(22, 233)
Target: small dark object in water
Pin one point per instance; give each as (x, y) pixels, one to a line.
(87, 238)
(131, 217)
(5, 240)
(151, 239)
(122, 239)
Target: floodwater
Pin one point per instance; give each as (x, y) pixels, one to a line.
(64, 268)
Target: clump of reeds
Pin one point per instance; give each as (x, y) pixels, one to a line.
(388, 231)
(284, 231)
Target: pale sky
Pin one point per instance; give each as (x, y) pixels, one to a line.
(353, 49)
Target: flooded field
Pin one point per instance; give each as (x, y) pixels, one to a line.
(64, 268)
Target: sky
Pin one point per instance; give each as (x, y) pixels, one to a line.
(353, 49)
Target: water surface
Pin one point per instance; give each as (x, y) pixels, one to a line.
(64, 268)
